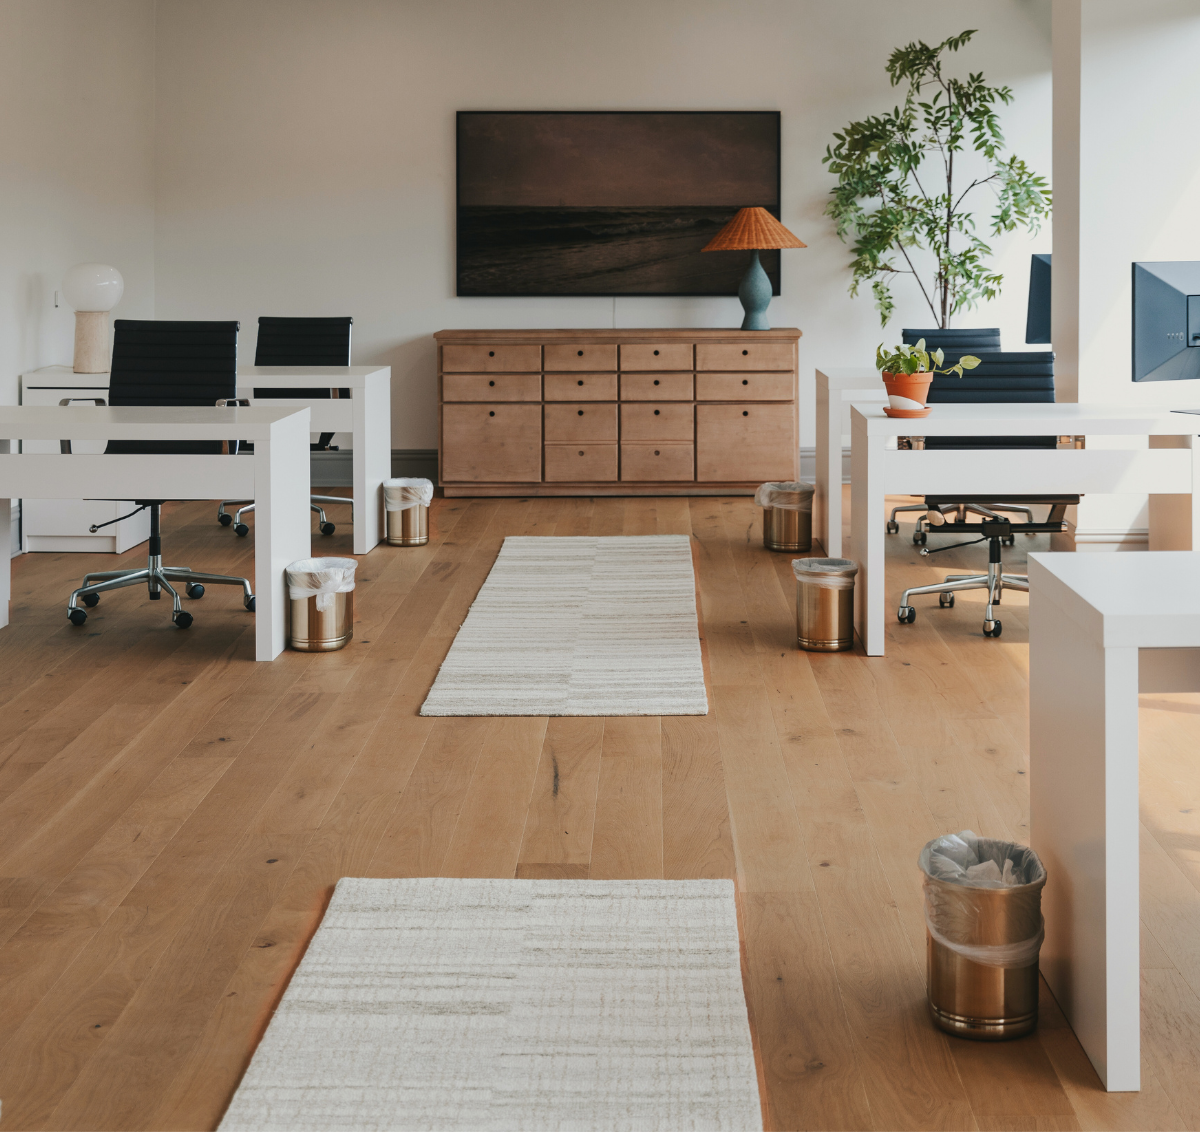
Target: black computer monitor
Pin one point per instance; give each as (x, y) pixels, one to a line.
(1166, 321)
(1037, 316)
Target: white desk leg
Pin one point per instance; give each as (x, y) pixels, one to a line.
(372, 460)
(866, 533)
(6, 551)
(1083, 820)
(281, 526)
(828, 496)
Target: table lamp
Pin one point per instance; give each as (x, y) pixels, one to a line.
(752, 229)
(92, 289)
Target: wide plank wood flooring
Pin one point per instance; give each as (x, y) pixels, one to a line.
(173, 817)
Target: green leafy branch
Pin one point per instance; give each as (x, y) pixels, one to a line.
(916, 359)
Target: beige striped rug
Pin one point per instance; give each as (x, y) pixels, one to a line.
(579, 626)
(511, 1004)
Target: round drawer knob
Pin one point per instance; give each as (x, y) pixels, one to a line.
(745, 382)
(491, 383)
(745, 414)
(745, 352)
(656, 450)
(581, 452)
(579, 353)
(656, 412)
(491, 353)
(656, 355)
(656, 381)
(492, 413)
(581, 412)
(580, 383)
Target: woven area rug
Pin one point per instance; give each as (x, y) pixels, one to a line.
(579, 626)
(511, 1004)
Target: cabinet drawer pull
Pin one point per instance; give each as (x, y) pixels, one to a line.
(581, 452)
(581, 383)
(581, 412)
(656, 412)
(745, 414)
(656, 379)
(656, 450)
(491, 353)
(491, 383)
(656, 355)
(492, 413)
(744, 382)
(745, 352)
(580, 353)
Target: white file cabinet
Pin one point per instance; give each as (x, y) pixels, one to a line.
(62, 524)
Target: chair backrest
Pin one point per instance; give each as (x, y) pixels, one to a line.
(1012, 378)
(965, 341)
(303, 342)
(172, 363)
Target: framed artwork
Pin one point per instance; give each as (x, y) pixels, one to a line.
(609, 202)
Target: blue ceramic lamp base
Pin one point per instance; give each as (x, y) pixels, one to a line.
(755, 293)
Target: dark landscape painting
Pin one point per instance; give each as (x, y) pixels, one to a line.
(609, 203)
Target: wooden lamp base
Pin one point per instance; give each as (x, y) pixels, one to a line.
(91, 342)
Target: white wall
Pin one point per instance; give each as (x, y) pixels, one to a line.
(76, 166)
(305, 152)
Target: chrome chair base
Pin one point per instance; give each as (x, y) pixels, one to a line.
(245, 506)
(993, 581)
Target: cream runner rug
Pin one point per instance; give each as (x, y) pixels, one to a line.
(511, 1004)
(579, 626)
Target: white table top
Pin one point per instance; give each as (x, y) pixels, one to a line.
(56, 377)
(138, 422)
(1149, 599)
(850, 377)
(352, 377)
(991, 419)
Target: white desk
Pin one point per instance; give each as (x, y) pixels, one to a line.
(367, 416)
(276, 477)
(1102, 627)
(877, 471)
(836, 389)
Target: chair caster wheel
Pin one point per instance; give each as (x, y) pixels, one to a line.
(991, 628)
(249, 603)
(241, 530)
(327, 528)
(893, 528)
(920, 538)
(90, 600)
(946, 601)
(76, 616)
(1009, 540)
(906, 614)
(224, 520)
(182, 619)
(195, 590)
(155, 595)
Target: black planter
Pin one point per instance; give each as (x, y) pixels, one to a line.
(956, 341)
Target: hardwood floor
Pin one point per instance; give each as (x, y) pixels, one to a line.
(173, 816)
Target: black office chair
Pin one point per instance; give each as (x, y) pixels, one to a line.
(298, 342)
(999, 378)
(165, 363)
(977, 341)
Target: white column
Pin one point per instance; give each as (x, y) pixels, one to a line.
(281, 525)
(372, 457)
(1125, 185)
(866, 533)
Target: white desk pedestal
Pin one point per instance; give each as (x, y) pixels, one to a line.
(1101, 629)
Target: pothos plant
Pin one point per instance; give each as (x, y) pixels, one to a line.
(916, 359)
(898, 189)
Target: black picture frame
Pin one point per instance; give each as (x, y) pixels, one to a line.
(509, 243)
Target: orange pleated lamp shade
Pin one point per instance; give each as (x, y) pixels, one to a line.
(752, 228)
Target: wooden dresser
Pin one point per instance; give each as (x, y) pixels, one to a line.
(616, 412)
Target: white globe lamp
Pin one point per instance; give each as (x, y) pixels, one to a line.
(92, 289)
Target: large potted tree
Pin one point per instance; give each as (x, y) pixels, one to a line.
(903, 203)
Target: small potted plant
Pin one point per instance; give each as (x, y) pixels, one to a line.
(907, 374)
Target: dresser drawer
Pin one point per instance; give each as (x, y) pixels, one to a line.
(744, 387)
(581, 356)
(587, 387)
(480, 387)
(647, 387)
(750, 355)
(496, 443)
(656, 355)
(592, 421)
(657, 462)
(495, 358)
(738, 443)
(581, 463)
(648, 420)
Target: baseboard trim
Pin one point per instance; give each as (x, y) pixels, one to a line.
(336, 469)
(1100, 541)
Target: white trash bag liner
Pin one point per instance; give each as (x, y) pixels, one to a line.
(400, 494)
(786, 496)
(321, 578)
(825, 573)
(956, 864)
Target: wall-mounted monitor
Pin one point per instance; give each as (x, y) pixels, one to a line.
(1166, 321)
(610, 202)
(1037, 312)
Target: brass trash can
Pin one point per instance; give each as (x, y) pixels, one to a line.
(406, 505)
(983, 919)
(825, 603)
(787, 516)
(321, 604)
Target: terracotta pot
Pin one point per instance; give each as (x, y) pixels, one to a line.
(907, 392)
